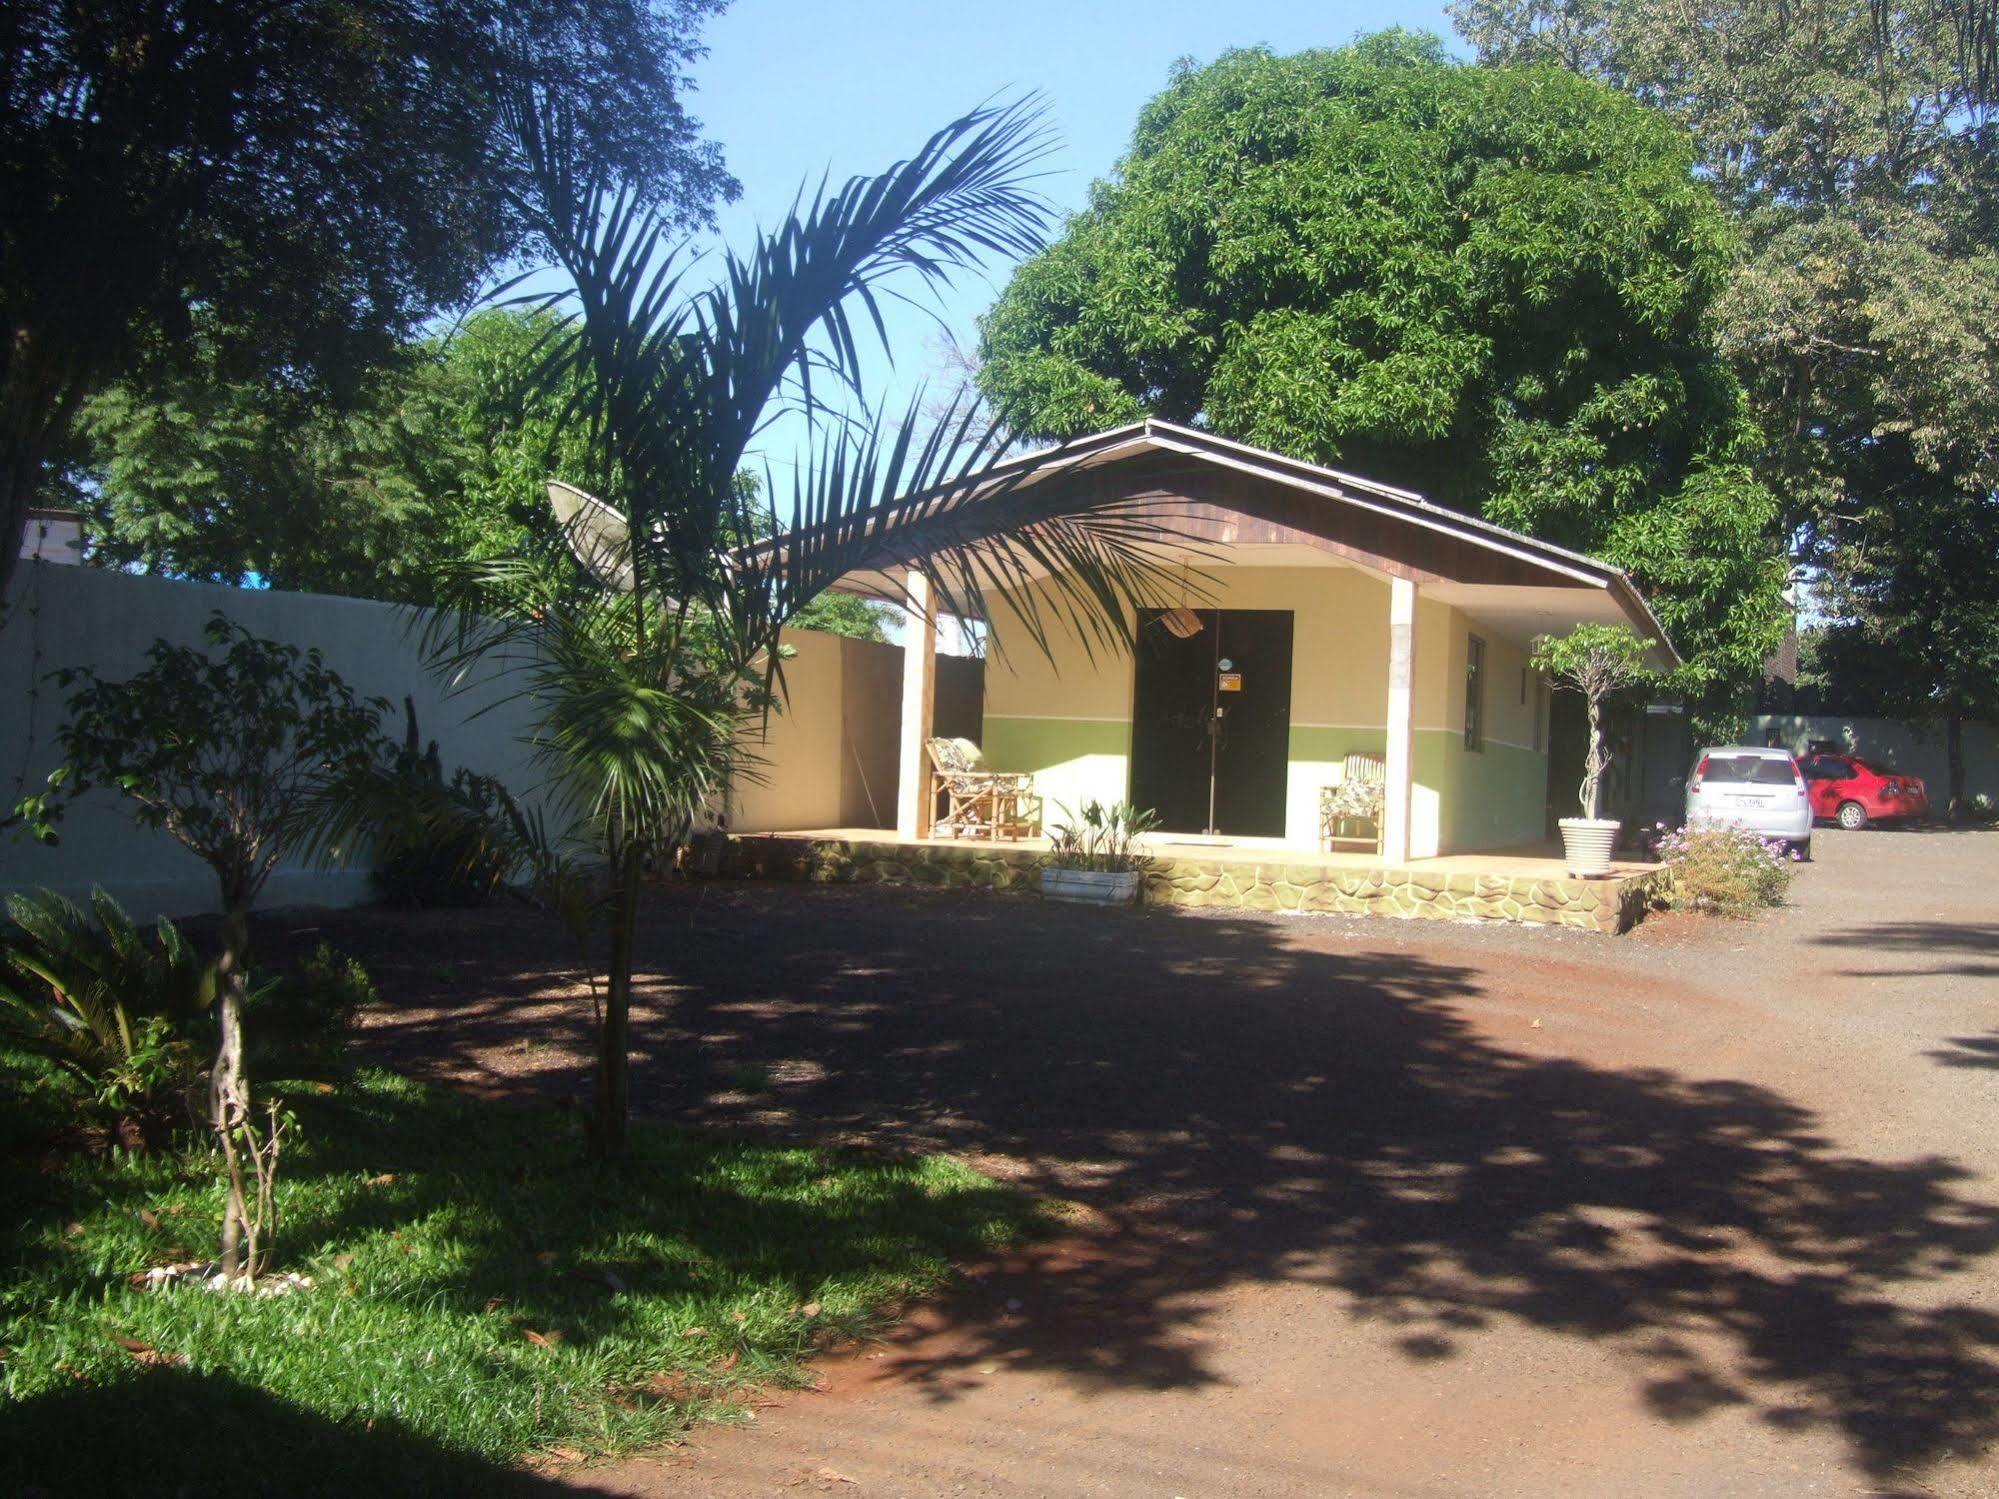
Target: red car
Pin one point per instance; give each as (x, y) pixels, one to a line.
(1854, 792)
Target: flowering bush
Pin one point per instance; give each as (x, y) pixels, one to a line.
(1727, 870)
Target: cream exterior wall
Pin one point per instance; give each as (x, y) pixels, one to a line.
(826, 757)
(1065, 714)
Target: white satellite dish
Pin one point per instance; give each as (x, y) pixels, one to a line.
(596, 533)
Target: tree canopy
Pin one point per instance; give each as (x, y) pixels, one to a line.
(1492, 285)
(1854, 145)
(440, 457)
(311, 179)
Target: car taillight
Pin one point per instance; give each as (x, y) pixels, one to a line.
(1700, 774)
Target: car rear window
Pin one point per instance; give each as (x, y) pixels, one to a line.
(1753, 770)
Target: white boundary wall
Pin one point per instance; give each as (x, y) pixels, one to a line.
(1920, 750)
(79, 616)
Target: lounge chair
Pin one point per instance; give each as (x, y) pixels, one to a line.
(1353, 803)
(979, 802)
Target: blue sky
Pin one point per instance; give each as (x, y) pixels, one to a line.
(793, 88)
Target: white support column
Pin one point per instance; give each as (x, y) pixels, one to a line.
(913, 808)
(1401, 737)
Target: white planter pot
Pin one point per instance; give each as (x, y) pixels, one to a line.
(1588, 843)
(1091, 887)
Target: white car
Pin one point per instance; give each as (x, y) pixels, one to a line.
(1762, 790)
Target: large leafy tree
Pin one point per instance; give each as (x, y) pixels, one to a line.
(1491, 285)
(314, 177)
(1915, 597)
(643, 647)
(440, 454)
(440, 457)
(1853, 145)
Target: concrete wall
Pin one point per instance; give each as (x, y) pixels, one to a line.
(1919, 750)
(1065, 715)
(827, 757)
(77, 616)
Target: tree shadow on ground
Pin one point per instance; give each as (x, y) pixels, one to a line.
(169, 1432)
(1246, 1106)
(1945, 948)
(1980, 1052)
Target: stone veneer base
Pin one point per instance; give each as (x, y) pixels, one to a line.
(1606, 905)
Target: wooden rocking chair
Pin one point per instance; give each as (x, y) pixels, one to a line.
(978, 802)
(1355, 801)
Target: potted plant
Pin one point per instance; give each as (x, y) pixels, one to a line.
(1096, 858)
(1596, 660)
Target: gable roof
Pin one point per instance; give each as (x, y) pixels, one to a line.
(1227, 494)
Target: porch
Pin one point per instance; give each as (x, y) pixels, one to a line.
(1528, 884)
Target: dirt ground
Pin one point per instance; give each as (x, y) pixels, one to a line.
(1359, 1207)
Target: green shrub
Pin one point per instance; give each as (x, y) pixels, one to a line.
(1729, 871)
(302, 1016)
(106, 1014)
(439, 841)
(1101, 838)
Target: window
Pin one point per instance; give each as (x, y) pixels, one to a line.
(1474, 693)
(1748, 770)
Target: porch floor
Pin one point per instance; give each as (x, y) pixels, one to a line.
(1530, 884)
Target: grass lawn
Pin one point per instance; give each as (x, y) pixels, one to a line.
(480, 1294)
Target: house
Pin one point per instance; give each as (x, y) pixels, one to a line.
(1336, 615)
(1304, 615)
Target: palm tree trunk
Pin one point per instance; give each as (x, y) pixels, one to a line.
(612, 1102)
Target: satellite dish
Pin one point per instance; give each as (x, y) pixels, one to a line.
(596, 533)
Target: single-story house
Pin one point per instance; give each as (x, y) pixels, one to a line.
(1330, 615)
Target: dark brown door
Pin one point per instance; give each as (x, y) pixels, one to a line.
(1211, 722)
(1172, 710)
(1253, 726)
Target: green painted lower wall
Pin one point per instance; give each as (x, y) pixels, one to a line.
(1491, 798)
(1073, 760)
(1039, 743)
(1462, 802)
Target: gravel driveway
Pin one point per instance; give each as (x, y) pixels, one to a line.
(1360, 1207)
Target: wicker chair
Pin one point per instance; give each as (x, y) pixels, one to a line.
(1355, 800)
(979, 802)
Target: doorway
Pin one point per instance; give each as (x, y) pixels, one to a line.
(1211, 722)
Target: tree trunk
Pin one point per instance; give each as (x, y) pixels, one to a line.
(229, 1085)
(1953, 742)
(38, 403)
(1592, 796)
(612, 1101)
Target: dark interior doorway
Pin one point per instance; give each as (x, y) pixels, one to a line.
(1211, 722)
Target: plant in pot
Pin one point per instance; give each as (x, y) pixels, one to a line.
(1595, 660)
(1096, 856)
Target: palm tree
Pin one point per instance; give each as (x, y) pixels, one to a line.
(650, 644)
